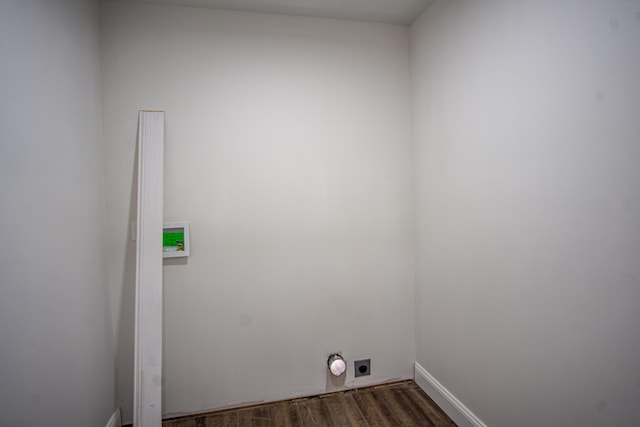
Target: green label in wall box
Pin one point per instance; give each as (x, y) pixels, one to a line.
(173, 240)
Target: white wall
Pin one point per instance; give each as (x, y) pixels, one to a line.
(56, 348)
(288, 150)
(528, 185)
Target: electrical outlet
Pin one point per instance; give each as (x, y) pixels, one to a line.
(362, 367)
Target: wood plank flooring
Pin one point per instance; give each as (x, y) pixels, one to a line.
(398, 404)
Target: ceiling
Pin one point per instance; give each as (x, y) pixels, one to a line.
(387, 11)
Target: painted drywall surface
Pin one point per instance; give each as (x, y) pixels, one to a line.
(288, 150)
(390, 12)
(56, 353)
(528, 182)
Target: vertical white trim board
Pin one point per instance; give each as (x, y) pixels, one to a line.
(115, 420)
(147, 387)
(450, 404)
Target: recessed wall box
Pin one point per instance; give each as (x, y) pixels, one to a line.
(175, 239)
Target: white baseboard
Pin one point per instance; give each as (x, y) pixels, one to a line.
(114, 421)
(450, 404)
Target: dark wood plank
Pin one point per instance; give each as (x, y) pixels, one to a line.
(222, 419)
(428, 406)
(398, 404)
(284, 414)
(351, 410)
(374, 409)
(182, 422)
(343, 410)
(313, 413)
(404, 409)
(257, 416)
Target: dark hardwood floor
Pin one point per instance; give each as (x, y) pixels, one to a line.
(398, 404)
